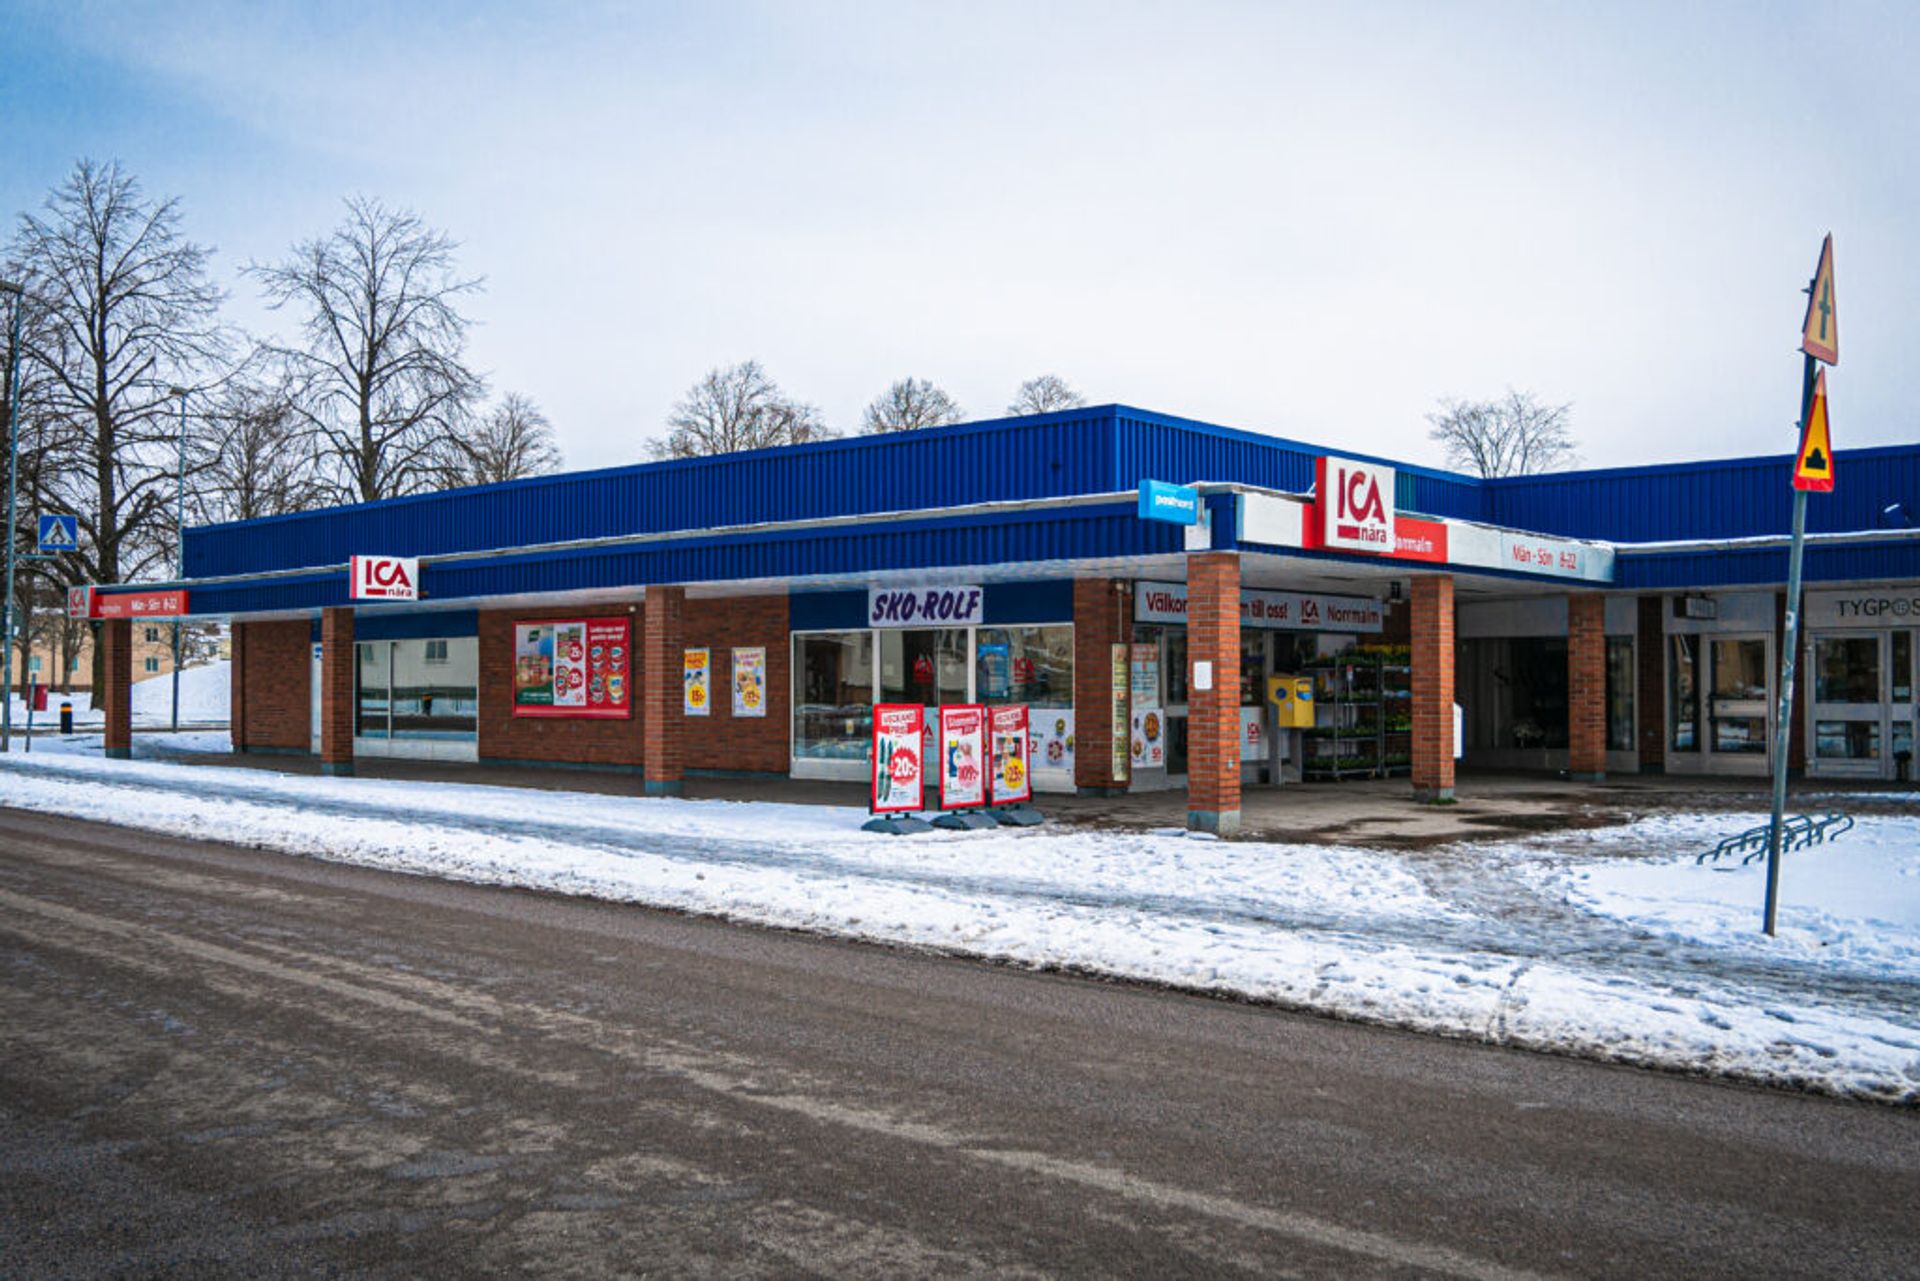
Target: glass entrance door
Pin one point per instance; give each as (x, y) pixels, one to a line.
(1740, 697)
(1850, 703)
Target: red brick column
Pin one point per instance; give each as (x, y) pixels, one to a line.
(237, 686)
(336, 690)
(1102, 618)
(1650, 689)
(1213, 714)
(1431, 626)
(1587, 687)
(662, 668)
(116, 652)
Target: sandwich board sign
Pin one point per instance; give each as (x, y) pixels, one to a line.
(59, 534)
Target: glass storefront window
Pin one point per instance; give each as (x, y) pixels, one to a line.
(1537, 670)
(832, 695)
(1683, 694)
(1031, 665)
(928, 667)
(436, 688)
(1740, 669)
(1620, 686)
(1846, 740)
(1846, 669)
(372, 715)
(1253, 669)
(1903, 667)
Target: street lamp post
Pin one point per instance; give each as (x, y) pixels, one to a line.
(13, 456)
(180, 544)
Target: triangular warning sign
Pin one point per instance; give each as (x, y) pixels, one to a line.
(1820, 331)
(1813, 468)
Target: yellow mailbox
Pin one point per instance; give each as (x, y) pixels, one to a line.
(1292, 698)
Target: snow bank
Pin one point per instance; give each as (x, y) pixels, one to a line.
(205, 699)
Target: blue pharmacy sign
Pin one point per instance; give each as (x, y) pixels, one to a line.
(1176, 504)
(59, 534)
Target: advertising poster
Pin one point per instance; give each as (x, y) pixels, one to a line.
(1117, 713)
(897, 760)
(1253, 734)
(573, 667)
(1010, 753)
(1052, 734)
(996, 668)
(697, 685)
(1149, 738)
(1146, 674)
(750, 681)
(963, 756)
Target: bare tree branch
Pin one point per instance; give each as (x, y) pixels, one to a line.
(907, 405)
(1513, 436)
(737, 408)
(512, 441)
(1044, 395)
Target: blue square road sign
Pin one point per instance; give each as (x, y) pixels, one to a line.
(59, 533)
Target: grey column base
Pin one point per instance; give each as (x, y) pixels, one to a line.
(1598, 776)
(1099, 791)
(662, 787)
(119, 753)
(337, 769)
(1219, 822)
(1432, 795)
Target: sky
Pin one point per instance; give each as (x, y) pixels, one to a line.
(1311, 221)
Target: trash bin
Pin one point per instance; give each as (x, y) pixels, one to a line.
(39, 698)
(66, 716)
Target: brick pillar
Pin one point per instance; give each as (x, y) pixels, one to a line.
(237, 686)
(662, 706)
(1587, 687)
(1213, 714)
(116, 651)
(336, 690)
(1650, 690)
(1431, 630)
(1102, 618)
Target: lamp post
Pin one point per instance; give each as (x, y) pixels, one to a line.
(13, 456)
(180, 544)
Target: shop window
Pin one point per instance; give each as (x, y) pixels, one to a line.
(832, 695)
(1846, 740)
(1683, 693)
(925, 666)
(1537, 675)
(1032, 665)
(1621, 678)
(372, 708)
(1846, 669)
(1903, 667)
(435, 688)
(153, 635)
(1739, 696)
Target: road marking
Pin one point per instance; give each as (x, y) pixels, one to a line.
(713, 1073)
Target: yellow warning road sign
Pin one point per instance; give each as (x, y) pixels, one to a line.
(1820, 331)
(1813, 468)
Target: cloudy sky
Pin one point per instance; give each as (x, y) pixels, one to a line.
(1313, 221)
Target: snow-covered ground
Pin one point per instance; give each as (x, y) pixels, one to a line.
(205, 699)
(1610, 943)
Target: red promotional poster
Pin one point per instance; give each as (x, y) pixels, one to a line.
(573, 667)
(1012, 763)
(898, 773)
(963, 756)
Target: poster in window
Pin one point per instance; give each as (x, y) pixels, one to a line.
(996, 668)
(898, 758)
(1010, 748)
(963, 772)
(573, 667)
(1149, 738)
(1051, 729)
(750, 681)
(1146, 674)
(697, 682)
(1117, 712)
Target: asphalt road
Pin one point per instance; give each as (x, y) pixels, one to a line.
(215, 1061)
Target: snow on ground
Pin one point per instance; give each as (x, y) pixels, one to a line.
(205, 699)
(1610, 943)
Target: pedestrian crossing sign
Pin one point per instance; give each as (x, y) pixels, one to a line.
(59, 533)
(1813, 467)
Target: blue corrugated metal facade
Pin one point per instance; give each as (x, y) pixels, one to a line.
(1099, 450)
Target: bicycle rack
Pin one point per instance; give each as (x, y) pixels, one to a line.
(1797, 832)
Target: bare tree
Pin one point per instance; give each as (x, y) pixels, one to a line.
(1045, 394)
(512, 440)
(119, 310)
(254, 459)
(737, 408)
(1513, 436)
(379, 381)
(909, 404)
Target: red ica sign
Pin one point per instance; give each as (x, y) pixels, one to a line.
(79, 602)
(1355, 502)
(385, 578)
(167, 604)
